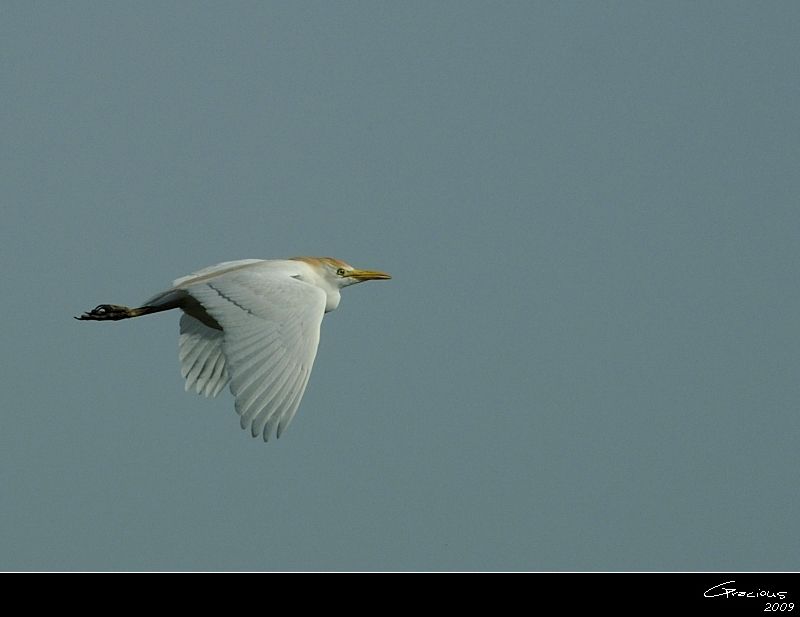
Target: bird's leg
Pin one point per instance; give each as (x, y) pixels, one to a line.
(115, 312)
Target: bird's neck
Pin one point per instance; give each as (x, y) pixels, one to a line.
(333, 299)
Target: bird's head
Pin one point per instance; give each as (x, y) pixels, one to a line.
(341, 274)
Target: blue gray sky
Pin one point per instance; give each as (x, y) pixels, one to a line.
(587, 358)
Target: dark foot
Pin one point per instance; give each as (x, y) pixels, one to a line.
(107, 312)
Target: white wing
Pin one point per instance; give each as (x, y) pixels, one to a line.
(270, 333)
(202, 358)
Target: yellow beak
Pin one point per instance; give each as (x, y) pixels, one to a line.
(368, 275)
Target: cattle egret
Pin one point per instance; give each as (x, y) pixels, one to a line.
(254, 324)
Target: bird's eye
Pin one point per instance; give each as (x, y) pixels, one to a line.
(341, 271)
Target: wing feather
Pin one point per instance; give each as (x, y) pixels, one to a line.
(256, 397)
(206, 374)
(196, 360)
(288, 415)
(292, 397)
(199, 347)
(253, 368)
(212, 373)
(274, 405)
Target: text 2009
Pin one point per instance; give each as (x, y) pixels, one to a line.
(779, 607)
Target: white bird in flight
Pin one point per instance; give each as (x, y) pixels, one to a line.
(253, 323)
